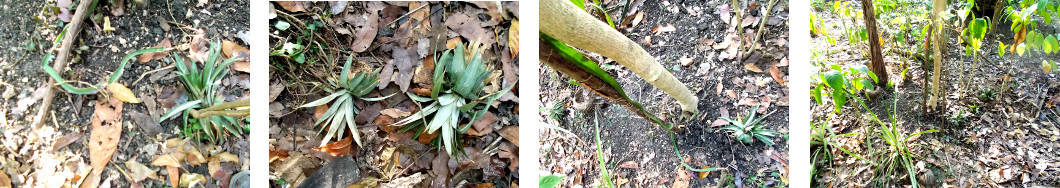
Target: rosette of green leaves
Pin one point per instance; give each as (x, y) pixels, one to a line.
(456, 94)
(203, 90)
(749, 128)
(342, 110)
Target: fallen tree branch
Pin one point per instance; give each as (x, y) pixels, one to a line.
(70, 36)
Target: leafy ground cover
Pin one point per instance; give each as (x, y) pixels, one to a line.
(394, 94)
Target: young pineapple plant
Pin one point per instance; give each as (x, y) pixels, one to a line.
(456, 95)
(342, 110)
(204, 114)
(746, 129)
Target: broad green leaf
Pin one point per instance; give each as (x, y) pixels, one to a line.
(549, 181)
(817, 93)
(836, 81)
(579, 3)
(1052, 43)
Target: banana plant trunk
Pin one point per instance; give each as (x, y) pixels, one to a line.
(876, 59)
(565, 22)
(548, 56)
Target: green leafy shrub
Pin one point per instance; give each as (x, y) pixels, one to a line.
(849, 81)
(342, 111)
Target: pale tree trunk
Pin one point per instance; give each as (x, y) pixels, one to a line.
(876, 60)
(937, 42)
(565, 22)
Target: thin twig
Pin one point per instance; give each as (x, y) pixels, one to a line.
(60, 60)
(407, 14)
(761, 26)
(152, 71)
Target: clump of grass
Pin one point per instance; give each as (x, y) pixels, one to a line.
(822, 140)
(456, 94)
(898, 154)
(342, 111)
(746, 129)
(204, 114)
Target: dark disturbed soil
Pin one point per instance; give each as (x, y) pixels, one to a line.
(627, 138)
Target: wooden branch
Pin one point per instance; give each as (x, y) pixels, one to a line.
(72, 31)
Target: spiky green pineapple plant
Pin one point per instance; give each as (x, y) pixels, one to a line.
(749, 128)
(342, 111)
(457, 95)
(204, 112)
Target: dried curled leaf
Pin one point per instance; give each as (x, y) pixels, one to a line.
(122, 93)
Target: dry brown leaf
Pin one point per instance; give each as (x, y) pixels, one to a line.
(451, 43)
(4, 180)
(426, 138)
(395, 113)
(511, 133)
(777, 75)
(292, 6)
(367, 26)
(783, 62)
(122, 93)
(339, 148)
(636, 19)
(662, 29)
(227, 157)
(686, 61)
(482, 124)
(278, 155)
(319, 111)
(513, 37)
(470, 28)
(167, 160)
(197, 47)
(730, 93)
(138, 172)
(187, 179)
(214, 166)
(156, 55)
(719, 122)
(682, 179)
(66, 140)
(718, 91)
(629, 165)
(241, 66)
(106, 132)
(174, 175)
(752, 67)
(386, 123)
(748, 102)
